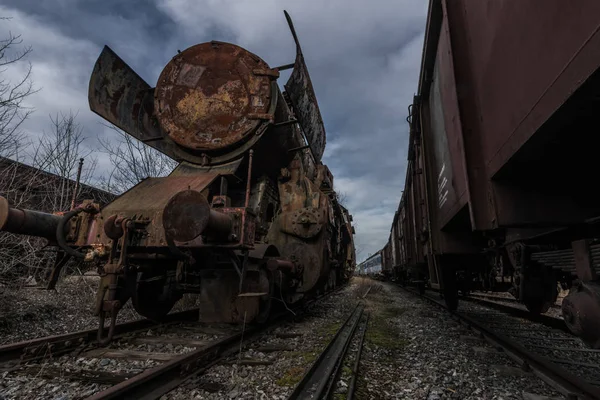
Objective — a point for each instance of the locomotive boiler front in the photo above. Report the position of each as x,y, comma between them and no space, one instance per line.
213,97
211,105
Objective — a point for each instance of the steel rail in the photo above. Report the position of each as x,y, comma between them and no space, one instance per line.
491,297
155,382
352,386
60,344
318,381
551,322
571,386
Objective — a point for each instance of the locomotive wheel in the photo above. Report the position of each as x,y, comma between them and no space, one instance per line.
152,298
449,287
265,302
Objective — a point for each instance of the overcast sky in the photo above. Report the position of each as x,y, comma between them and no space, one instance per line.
363,57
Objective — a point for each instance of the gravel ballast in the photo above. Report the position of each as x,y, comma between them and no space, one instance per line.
412,350
428,355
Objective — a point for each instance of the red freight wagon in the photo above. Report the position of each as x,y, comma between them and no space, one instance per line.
502,158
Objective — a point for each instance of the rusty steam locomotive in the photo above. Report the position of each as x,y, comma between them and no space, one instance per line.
248,216
502,152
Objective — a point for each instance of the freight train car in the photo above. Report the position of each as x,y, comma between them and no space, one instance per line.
371,266
250,213
500,189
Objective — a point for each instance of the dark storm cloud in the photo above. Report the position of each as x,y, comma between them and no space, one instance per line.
363,57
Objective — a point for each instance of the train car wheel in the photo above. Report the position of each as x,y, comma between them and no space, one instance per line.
152,298
540,290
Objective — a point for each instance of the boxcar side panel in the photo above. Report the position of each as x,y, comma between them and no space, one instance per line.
403,233
520,76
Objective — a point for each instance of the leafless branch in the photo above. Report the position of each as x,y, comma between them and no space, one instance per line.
46,186
13,111
132,161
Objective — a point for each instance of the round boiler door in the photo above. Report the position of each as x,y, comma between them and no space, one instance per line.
211,96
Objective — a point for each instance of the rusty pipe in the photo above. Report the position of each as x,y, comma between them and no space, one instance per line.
27,222
282,265
188,215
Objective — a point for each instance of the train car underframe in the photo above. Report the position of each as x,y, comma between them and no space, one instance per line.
532,270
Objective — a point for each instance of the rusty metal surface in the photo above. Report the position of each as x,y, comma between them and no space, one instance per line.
206,95
581,312
148,199
27,222
305,222
302,95
123,98
187,215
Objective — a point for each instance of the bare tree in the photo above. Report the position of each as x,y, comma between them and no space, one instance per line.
341,198
132,161
13,111
46,186
58,152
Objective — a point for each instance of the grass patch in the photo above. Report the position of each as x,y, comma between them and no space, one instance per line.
347,371
391,312
291,377
307,356
382,334
330,329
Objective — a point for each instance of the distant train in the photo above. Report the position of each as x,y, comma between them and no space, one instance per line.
502,159
371,266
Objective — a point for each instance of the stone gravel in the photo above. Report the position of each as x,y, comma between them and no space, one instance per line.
413,350
556,345
31,312
435,357
284,368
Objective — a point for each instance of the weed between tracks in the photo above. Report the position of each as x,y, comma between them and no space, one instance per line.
382,332
383,340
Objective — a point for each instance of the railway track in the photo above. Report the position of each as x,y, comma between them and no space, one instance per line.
547,320
35,349
320,380
485,296
557,357
144,361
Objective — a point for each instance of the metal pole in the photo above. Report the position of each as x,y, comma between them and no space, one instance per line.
247,201
250,154
76,184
